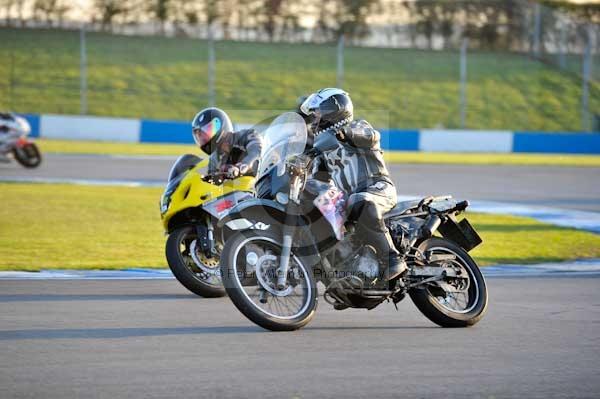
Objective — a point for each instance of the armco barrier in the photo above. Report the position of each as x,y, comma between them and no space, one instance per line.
400,140
34,122
465,141
570,143
428,140
89,128
165,132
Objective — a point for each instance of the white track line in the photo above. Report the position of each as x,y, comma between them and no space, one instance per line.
582,220
578,267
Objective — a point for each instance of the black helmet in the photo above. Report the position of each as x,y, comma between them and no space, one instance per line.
328,108
208,126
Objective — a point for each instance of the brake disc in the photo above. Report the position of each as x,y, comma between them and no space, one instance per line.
266,274
204,263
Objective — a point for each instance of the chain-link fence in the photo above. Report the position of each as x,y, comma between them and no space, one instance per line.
534,71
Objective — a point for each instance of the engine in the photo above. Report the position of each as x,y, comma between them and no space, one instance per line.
353,260
402,229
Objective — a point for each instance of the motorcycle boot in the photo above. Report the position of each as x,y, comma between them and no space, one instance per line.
388,255
371,227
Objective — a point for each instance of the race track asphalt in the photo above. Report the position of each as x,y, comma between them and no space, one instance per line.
553,186
151,339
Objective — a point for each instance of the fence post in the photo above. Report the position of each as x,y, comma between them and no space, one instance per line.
83,108
587,73
211,67
340,62
11,79
463,82
562,58
537,26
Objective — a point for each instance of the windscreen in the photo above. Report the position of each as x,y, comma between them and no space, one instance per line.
183,164
284,137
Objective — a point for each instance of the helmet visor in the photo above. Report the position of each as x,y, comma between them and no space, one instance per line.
205,133
311,103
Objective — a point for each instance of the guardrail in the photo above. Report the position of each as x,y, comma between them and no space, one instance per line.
427,140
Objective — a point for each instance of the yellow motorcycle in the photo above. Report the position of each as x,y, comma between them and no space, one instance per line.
190,208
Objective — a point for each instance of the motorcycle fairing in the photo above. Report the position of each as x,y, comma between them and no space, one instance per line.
221,206
189,190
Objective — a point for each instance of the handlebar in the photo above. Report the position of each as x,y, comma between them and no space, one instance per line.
218,177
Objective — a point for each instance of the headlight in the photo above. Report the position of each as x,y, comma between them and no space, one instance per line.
165,199
282,198
164,203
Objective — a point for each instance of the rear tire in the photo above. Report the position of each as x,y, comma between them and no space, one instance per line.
182,272
28,156
431,307
235,287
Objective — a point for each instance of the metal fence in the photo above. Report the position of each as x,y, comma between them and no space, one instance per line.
545,81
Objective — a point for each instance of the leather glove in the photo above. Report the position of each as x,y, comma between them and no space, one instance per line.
239,169
343,134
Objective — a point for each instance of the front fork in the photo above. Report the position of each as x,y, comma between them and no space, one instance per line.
284,261
206,237
288,232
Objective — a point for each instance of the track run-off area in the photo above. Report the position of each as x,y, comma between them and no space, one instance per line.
150,338
565,187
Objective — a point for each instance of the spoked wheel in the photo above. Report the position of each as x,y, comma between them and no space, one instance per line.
28,155
454,302
249,265
192,268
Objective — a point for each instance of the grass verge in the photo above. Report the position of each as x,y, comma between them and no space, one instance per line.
166,78
112,148
102,147
58,226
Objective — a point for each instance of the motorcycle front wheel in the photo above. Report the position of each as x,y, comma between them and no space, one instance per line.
190,266
249,265
28,156
456,302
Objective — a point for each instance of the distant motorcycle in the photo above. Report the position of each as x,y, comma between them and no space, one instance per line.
284,243
14,142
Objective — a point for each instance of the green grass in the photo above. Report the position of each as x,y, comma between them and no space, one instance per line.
113,148
99,147
167,78
87,227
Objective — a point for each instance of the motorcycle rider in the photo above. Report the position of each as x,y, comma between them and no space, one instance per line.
233,153
11,125
357,167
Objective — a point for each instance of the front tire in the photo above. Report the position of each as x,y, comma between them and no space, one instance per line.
239,282
28,156
437,304
179,257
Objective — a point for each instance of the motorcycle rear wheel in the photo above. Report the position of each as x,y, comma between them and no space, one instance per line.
443,308
28,156
186,271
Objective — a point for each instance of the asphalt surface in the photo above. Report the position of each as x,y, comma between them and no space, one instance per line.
151,339
560,187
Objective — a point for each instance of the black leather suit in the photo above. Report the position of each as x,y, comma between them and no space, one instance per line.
357,167
243,146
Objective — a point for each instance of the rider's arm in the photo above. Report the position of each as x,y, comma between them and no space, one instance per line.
253,144
213,163
361,134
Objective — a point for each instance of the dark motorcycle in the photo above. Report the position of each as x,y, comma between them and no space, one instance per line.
14,142
295,234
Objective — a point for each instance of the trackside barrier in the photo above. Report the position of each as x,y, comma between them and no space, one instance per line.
427,140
